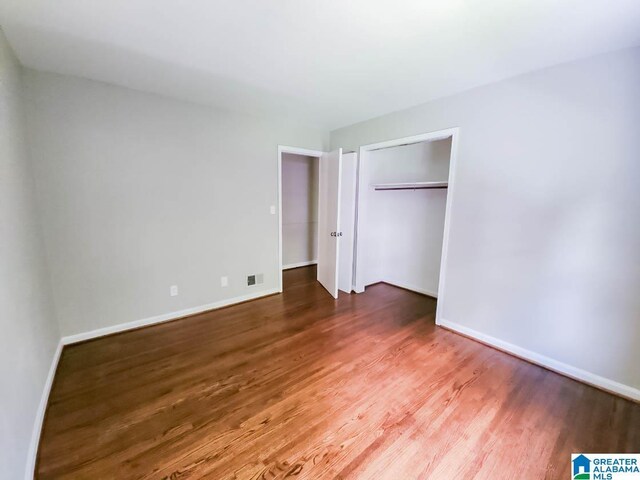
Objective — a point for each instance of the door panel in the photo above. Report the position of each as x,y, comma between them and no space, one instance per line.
330,172
347,220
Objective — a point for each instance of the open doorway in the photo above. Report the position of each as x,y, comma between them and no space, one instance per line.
405,191
299,210
298,180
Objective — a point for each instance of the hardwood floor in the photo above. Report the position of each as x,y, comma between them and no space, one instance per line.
300,385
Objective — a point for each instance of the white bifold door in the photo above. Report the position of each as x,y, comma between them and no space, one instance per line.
329,186
347,223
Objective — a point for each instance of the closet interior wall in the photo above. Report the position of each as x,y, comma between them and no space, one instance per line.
404,228
299,210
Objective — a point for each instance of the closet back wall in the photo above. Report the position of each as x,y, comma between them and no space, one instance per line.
299,210
404,229
139,192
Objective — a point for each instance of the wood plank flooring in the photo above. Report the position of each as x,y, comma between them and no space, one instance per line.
301,386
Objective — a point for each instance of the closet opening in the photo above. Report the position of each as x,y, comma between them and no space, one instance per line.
405,189
299,177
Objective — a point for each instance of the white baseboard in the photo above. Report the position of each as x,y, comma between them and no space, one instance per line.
122,327
575,373
39,420
413,288
299,264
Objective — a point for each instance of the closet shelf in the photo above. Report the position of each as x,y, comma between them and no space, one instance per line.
409,186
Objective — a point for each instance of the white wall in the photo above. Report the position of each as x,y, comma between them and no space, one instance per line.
28,332
403,229
543,252
299,209
138,192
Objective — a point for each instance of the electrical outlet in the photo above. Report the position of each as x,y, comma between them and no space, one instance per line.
173,290
272,209
224,281
260,278
251,280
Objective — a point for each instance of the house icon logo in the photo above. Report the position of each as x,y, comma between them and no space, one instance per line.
581,467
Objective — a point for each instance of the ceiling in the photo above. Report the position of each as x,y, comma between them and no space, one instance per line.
331,62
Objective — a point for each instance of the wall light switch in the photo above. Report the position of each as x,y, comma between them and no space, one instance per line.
173,291
224,281
272,209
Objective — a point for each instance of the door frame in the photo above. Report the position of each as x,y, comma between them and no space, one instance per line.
454,134
296,151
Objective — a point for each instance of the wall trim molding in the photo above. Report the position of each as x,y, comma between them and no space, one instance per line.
591,379
32,455
166,317
412,288
299,264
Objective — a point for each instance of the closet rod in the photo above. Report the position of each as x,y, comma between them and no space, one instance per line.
410,186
